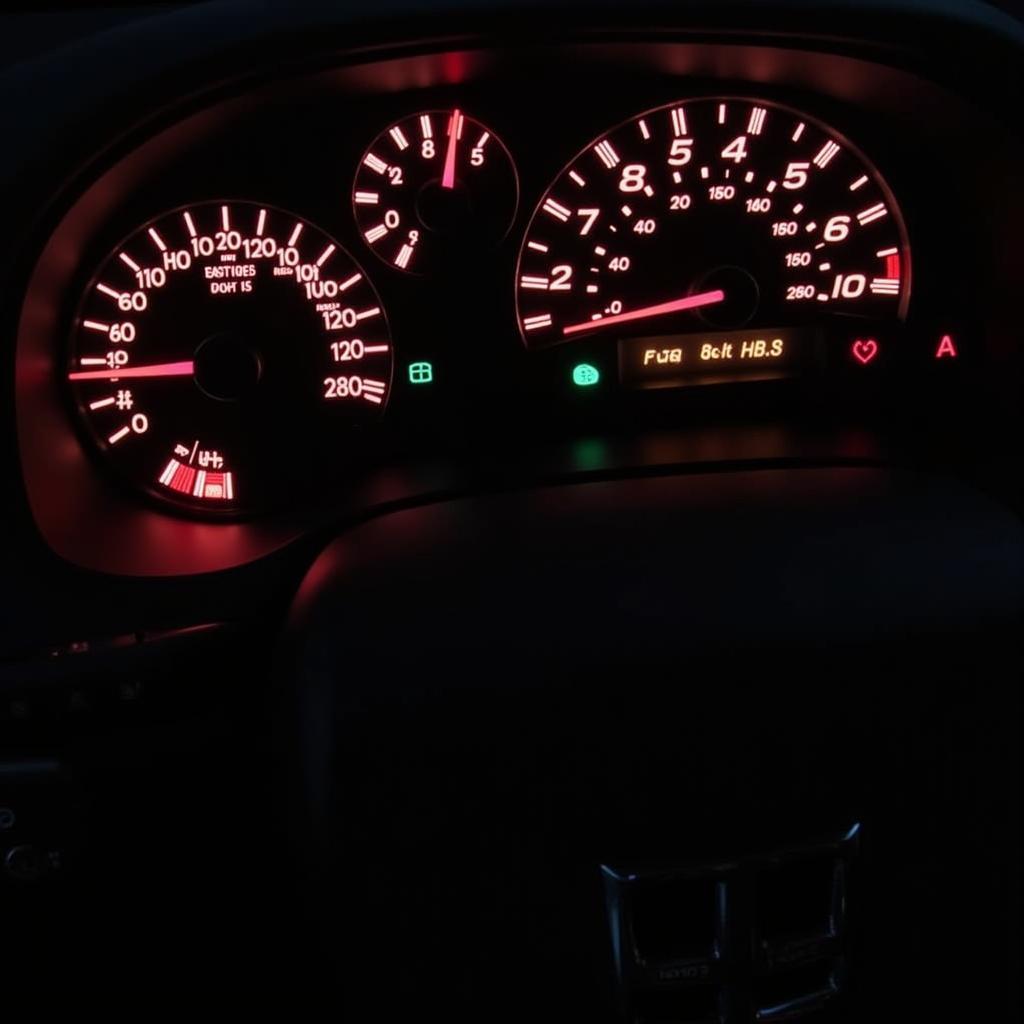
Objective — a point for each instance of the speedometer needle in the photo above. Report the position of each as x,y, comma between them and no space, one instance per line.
687,302
182,369
448,180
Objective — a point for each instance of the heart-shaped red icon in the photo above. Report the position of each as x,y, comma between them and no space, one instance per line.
865,351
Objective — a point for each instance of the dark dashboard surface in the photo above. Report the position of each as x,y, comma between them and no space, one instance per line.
360,362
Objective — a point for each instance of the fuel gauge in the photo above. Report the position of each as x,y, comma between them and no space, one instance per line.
433,190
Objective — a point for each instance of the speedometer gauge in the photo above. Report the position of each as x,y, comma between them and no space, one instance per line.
722,214
220,348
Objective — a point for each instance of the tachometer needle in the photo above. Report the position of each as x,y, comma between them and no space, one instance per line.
182,369
448,179
675,306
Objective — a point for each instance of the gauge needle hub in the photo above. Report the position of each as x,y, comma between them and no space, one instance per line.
448,178
675,306
182,369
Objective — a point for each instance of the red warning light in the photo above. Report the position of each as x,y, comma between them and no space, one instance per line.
946,349
864,350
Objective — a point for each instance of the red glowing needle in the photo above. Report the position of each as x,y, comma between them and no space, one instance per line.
183,369
688,302
448,180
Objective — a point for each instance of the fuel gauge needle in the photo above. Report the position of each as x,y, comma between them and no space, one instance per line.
448,179
182,369
675,306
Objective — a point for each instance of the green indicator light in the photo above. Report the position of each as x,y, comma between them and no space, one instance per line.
584,375
421,373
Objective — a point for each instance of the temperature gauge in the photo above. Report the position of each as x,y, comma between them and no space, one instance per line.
433,189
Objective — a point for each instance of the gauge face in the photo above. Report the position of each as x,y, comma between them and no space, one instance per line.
711,214
219,347
433,190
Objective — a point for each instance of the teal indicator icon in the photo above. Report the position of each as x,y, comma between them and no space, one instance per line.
421,373
584,375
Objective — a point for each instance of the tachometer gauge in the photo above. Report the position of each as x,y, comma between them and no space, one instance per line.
712,215
433,190
219,347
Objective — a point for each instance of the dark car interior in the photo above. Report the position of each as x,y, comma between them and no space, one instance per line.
512,510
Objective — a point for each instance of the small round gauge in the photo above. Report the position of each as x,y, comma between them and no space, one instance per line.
719,213
220,348
434,189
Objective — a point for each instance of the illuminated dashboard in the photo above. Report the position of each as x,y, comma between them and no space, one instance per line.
319,290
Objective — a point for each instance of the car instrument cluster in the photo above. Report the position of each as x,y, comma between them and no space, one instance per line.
271,293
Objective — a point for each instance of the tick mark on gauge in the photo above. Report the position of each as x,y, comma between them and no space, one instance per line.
325,255
606,151
826,154
189,224
294,236
533,323
533,281
872,213
348,282
404,255
399,139
225,218
128,261
106,290
157,240
556,210
756,122
537,246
